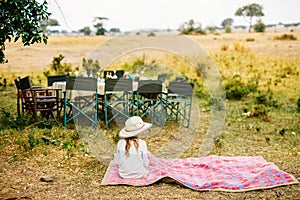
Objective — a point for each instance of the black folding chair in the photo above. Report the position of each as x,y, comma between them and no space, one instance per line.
56,78
179,102
118,99
149,101
80,100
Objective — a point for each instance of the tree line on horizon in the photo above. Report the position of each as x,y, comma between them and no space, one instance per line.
191,26
29,21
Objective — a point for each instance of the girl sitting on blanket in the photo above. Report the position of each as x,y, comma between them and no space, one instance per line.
131,155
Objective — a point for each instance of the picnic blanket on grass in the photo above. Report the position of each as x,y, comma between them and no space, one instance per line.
223,173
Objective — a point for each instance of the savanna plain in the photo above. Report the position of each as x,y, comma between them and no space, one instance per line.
261,76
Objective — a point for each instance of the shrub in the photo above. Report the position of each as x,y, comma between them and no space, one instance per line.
250,39
224,47
227,29
8,121
238,46
285,37
236,89
259,27
90,65
57,67
151,34
261,111
298,104
266,100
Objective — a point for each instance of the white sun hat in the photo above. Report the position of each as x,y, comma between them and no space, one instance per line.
134,126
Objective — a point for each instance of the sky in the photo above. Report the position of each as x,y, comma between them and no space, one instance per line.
131,15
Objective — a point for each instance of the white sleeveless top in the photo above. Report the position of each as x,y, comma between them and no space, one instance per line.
136,164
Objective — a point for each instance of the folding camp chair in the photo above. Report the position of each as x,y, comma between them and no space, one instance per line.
53,79
56,78
149,101
80,100
37,99
181,79
118,99
162,77
179,102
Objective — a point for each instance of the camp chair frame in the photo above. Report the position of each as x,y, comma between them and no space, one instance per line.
179,102
149,101
37,99
118,99
81,105
57,78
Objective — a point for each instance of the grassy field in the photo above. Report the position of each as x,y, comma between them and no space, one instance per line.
271,130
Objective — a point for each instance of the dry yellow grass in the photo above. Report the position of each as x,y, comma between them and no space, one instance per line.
79,176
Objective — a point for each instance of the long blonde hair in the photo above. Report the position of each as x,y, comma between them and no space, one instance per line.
128,144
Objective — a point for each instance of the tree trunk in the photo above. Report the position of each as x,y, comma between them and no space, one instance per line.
250,25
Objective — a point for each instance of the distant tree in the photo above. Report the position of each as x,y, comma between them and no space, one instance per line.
259,26
21,19
115,30
212,29
48,22
86,30
191,27
250,11
100,30
227,22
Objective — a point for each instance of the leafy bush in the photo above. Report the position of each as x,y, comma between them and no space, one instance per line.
259,27
238,47
298,104
151,34
57,67
285,37
224,47
266,100
236,89
227,29
135,65
262,112
90,65
250,39
8,121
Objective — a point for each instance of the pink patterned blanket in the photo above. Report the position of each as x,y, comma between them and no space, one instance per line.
222,173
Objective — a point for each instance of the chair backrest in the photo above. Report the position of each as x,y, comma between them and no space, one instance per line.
150,86
181,79
17,82
81,83
180,88
56,78
25,83
118,85
162,77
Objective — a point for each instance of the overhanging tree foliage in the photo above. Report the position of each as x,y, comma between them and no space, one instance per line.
250,11
21,19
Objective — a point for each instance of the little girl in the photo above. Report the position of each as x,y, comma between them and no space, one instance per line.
131,155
